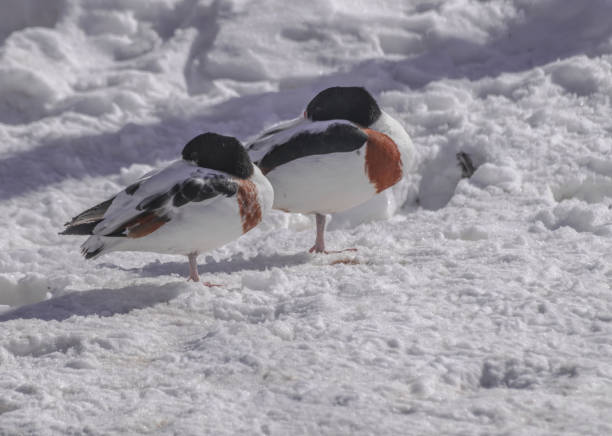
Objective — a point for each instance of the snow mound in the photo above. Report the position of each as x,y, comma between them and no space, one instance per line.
505,177
28,289
579,217
591,189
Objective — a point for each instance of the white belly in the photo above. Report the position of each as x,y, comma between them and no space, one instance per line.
202,228
324,183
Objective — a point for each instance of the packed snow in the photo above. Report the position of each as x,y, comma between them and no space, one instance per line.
476,305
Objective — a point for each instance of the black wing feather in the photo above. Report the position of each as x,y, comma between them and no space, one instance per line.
197,189
337,138
84,223
194,189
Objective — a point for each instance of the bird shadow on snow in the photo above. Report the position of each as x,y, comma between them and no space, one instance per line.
98,302
525,44
235,263
109,302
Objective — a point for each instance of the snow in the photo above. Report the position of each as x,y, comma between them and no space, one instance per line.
481,306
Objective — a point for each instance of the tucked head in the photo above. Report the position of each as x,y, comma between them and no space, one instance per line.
350,103
221,153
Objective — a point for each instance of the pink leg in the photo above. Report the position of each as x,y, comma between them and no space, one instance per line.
319,246
193,267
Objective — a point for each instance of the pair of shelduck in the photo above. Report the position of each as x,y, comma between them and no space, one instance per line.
340,153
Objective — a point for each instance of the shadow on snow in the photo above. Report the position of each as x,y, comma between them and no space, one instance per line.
109,302
235,263
97,302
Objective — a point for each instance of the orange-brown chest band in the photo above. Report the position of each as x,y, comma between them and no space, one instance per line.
250,211
383,161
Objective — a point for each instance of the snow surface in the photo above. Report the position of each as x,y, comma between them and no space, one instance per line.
483,307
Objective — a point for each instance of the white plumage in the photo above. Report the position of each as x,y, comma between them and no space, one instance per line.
193,227
184,208
339,154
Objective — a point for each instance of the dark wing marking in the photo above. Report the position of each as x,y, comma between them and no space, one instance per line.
198,189
130,190
336,138
80,229
84,223
154,208
152,211
157,201
93,213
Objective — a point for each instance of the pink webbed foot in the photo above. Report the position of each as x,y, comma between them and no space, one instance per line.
317,249
319,246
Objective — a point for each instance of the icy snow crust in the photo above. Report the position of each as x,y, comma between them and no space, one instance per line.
482,307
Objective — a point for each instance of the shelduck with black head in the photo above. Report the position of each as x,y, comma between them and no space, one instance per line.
341,152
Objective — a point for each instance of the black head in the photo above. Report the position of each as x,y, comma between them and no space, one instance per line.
350,103
221,153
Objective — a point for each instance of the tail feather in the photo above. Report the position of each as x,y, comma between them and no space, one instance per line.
95,213
84,223
80,229
92,247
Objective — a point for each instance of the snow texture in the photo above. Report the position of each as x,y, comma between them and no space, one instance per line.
481,306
